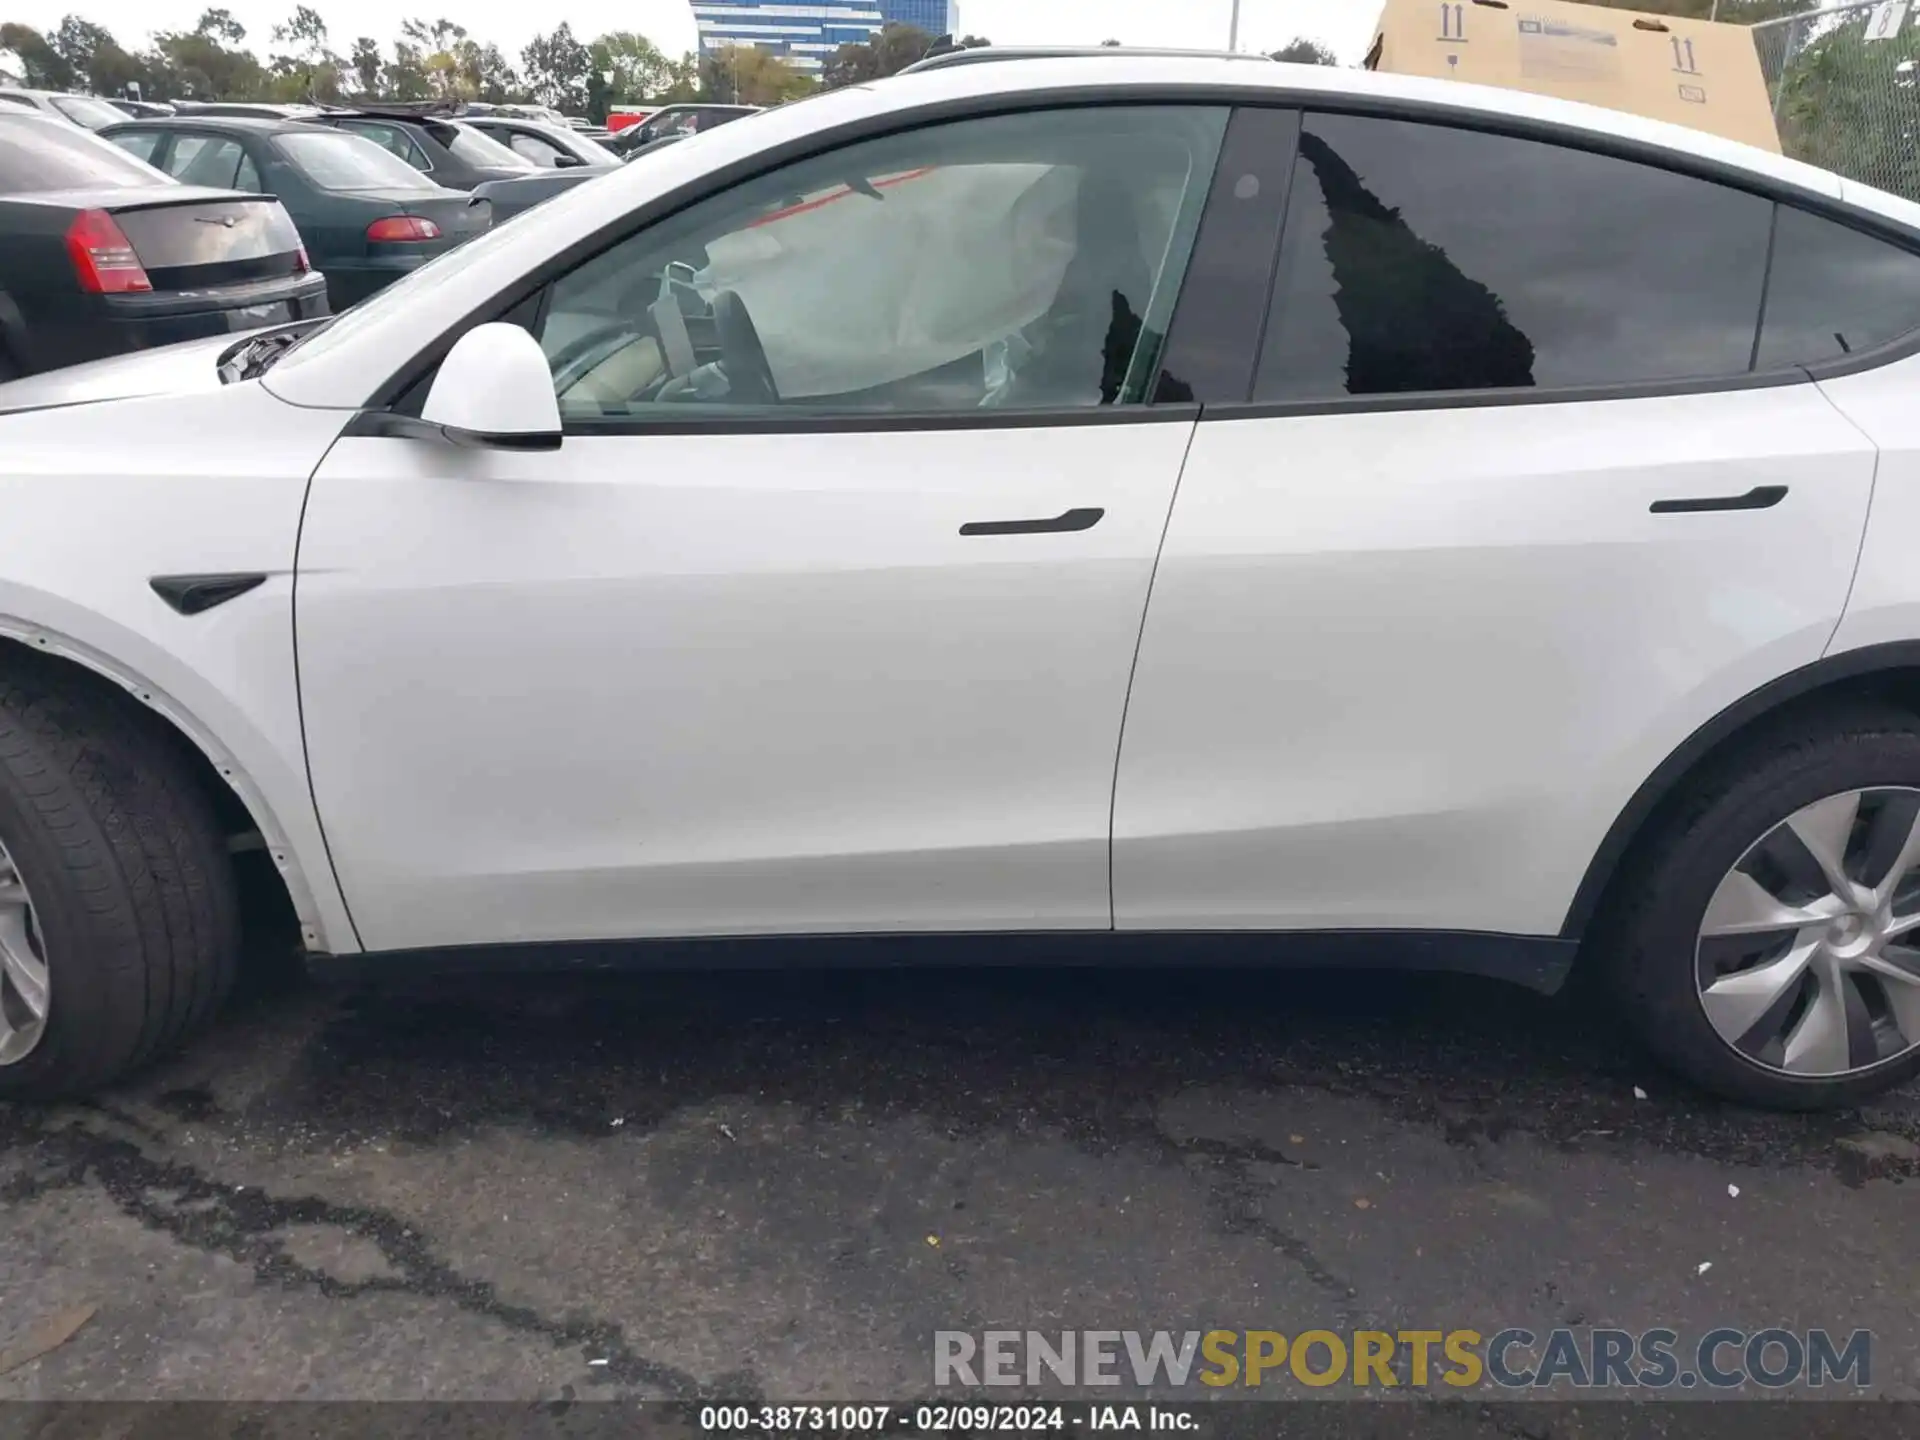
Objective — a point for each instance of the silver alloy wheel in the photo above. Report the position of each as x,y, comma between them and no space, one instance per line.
1804,964
24,992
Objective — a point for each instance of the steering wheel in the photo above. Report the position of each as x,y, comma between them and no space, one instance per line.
745,358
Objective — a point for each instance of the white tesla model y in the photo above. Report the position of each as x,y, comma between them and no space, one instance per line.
1365,520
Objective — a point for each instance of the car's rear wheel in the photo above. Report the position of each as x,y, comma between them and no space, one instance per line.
1766,943
119,927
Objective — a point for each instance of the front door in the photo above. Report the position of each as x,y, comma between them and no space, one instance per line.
822,616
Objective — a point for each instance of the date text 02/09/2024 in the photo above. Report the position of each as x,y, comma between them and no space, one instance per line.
962,1419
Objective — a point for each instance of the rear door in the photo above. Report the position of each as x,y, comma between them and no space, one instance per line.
1513,505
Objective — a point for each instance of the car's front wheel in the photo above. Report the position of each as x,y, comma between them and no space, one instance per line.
119,927
1767,942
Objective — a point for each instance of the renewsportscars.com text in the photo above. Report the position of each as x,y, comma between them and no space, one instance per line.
1513,1359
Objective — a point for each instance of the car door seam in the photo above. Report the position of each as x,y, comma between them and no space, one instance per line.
1866,519
300,692
1133,669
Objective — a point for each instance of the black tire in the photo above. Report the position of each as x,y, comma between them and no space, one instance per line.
1648,934
125,863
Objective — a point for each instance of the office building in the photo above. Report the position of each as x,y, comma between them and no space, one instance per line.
804,34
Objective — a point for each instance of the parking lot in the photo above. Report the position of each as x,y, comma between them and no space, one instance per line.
780,1185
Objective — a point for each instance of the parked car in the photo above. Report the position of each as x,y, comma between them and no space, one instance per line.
101,254
367,216
550,147
257,110
140,109
84,110
677,119
507,198
1220,511
453,152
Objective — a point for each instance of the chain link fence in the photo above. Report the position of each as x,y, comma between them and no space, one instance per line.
1845,81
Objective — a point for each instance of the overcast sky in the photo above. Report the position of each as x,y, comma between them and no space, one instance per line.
1344,25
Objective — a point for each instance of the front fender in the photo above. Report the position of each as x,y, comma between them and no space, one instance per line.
100,499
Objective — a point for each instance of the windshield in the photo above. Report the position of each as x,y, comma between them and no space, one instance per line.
334,160
87,111
471,146
39,154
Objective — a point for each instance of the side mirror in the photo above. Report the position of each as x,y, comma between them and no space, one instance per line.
567,162
495,389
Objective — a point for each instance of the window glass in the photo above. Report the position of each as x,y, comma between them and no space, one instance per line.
248,177
1424,258
141,143
87,111
1834,292
47,154
336,161
206,160
532,147
469,145
392,139
1022,261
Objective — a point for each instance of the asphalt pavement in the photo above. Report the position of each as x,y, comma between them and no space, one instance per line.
781,1185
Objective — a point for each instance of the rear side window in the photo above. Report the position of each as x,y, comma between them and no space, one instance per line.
141,143
394,140
471,146
532,147
1835,292
212,161
38,154
1426,258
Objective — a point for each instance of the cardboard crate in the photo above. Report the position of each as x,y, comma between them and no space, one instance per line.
1688,72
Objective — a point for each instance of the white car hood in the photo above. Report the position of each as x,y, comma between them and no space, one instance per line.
169,370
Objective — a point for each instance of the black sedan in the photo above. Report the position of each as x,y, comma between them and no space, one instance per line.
367,217
101,254
452,152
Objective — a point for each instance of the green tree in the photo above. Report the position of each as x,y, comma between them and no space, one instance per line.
308,69
889,52
557,67
42,67
745,75
639,69
405,77
1852,105
206,63
1303,51
367,64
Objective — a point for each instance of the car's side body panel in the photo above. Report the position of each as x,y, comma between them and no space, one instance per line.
100,499
1885,605
1404,668
667,684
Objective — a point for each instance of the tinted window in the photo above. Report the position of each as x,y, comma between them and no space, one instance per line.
1835,292
1018,262
1423,258
393,140
470,145
138,142
336,161
87,111
532,147
207,160
38,154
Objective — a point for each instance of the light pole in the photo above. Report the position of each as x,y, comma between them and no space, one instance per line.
1233,28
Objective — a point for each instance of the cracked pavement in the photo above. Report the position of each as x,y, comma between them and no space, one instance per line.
779,1185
